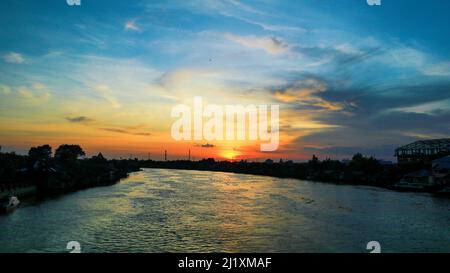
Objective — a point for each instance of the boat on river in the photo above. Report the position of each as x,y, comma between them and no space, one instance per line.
10,205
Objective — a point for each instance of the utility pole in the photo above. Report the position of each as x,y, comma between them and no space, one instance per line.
189,154
165,155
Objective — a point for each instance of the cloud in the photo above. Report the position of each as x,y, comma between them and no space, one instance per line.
431,108
80,119
116,81
5,90
278,28
266,26
271,45
402,57
406,57
440,69
181,84
125,131
304,93
338,57
37,92
130,130
389,116
15,58
131,26
207,145
245,7
106,93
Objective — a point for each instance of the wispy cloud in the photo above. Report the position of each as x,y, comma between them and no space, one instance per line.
271,45
278,28
267,26
246,7
14,57
36,92
106,93
440,69
5,89
125,131
138,130
434,107
132,26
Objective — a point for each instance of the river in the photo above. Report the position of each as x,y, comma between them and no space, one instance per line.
193,211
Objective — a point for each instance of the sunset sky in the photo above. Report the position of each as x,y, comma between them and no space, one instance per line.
348,77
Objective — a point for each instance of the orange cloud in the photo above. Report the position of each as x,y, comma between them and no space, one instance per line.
305,93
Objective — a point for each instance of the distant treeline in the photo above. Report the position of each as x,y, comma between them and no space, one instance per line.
359,170
68,169
64,171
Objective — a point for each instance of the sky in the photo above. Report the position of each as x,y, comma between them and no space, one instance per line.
348,77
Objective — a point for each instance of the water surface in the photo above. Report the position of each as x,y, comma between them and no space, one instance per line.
191,211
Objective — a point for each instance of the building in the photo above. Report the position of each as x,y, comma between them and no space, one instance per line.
268,161
416,181
438,178
441,169
423,150
422,177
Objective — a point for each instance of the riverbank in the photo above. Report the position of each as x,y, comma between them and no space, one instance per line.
359,171
369,173
69,170
19,192
58,188
39,174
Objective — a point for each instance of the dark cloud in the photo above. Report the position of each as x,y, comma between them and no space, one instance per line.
279,43
376,119
388,108
131,130
207,145
80,119
124,131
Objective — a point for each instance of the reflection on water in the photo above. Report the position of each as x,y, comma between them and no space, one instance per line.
192,211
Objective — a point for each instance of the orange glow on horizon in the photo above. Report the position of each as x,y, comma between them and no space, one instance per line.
230,154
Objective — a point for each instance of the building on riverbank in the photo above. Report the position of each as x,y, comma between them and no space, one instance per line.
441,170
438,177
423,151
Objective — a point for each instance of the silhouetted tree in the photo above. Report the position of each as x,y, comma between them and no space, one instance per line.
40,153
68,153
367,165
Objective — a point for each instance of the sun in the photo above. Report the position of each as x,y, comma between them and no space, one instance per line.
230,154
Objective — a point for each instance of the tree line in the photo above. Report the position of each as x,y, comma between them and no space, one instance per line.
66,169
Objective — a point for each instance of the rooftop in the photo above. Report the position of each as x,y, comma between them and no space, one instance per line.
424,149
432,144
